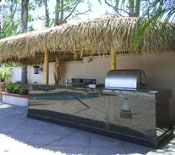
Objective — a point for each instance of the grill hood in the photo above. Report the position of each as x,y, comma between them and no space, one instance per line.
125,79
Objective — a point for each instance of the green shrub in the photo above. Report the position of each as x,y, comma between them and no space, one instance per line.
16,88
23,91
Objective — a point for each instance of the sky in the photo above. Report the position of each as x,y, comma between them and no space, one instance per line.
97,11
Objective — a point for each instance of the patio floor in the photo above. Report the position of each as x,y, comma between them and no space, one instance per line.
22,135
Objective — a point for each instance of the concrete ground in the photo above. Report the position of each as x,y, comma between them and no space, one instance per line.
22,135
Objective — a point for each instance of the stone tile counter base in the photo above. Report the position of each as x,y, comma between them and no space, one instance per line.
131,115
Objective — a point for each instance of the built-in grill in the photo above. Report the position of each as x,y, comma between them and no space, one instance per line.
125,79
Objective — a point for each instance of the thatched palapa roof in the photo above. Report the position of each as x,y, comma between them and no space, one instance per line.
90,37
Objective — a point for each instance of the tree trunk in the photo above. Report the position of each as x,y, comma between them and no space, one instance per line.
24,15
24,74
47,23
24,22
57,12
137,8
62,12
134,8
131,8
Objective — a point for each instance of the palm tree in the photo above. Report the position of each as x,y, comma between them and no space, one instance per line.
155,11
5,73
160,10
24,22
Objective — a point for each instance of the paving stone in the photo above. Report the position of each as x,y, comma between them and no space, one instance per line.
51,130
75,139
105,151
30,121
22,135
130,148
50,146
42,141
73,150
102,141
26,129
68,130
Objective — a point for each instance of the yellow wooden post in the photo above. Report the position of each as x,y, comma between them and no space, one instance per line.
46,66
113,59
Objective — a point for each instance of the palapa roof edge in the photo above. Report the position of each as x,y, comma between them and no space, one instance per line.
94,37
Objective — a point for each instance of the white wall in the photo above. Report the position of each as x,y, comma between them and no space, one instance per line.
35,78
159,69
16,76
32,78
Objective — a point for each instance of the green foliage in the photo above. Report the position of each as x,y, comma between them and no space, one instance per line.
161,9
11,64
16,88
124,7
67,9
13,87
99,1
23,91
11,24
155,11
5,73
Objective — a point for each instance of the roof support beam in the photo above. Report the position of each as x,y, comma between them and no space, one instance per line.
46,66
113,59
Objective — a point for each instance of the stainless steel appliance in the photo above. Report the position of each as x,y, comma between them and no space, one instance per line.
125,79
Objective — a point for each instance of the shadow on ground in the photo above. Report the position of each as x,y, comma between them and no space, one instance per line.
17,132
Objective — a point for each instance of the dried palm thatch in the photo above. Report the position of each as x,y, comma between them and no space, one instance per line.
92,37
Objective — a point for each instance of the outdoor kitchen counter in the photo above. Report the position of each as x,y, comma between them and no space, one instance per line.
134,115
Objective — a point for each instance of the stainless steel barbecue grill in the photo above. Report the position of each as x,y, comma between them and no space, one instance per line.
125,79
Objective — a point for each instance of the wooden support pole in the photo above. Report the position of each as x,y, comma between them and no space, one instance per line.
46,66
113,59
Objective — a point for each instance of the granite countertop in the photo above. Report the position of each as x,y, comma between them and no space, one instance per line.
69,86
85,87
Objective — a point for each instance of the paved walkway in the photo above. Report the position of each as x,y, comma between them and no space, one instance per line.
22,135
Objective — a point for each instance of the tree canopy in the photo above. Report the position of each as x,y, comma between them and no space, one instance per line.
64,10
150,12
12,22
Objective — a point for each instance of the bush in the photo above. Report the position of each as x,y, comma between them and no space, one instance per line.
16,88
